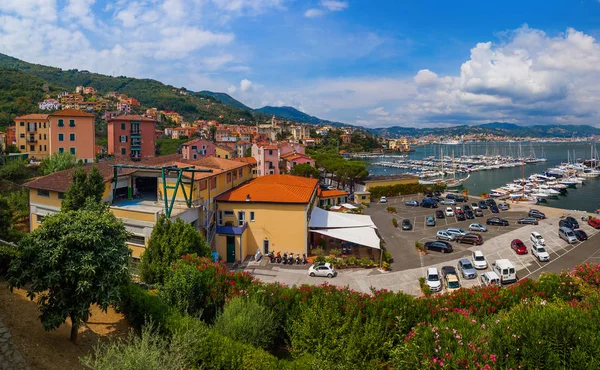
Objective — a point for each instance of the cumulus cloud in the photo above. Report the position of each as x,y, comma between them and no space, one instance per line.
379,111
312,13
245,85
334,6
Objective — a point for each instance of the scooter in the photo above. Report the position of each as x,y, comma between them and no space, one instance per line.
291,259
298,260
271,257
278,257
258,256
285,259
304,260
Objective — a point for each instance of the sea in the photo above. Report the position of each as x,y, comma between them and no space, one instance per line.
585,198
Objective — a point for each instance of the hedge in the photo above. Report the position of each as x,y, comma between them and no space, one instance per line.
7,254
403,189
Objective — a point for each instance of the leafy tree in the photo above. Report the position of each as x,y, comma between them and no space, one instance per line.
14,171
73,260
57,162
6,217
213,133
169,241
83,186
305,170
14,207
248,152
11,148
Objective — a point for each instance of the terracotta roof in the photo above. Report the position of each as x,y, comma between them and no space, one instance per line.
131,117
71,113
250,160
273,189
217,163
332,193
32,116
296,156
226,148
195,141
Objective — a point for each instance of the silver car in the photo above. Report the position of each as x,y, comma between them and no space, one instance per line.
477,227
466,268
445,235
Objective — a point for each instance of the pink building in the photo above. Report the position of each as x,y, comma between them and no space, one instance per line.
267,159
198,148
287,147
291,160
132,136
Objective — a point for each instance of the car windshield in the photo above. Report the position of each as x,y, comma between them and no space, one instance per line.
570,233
467,266
538,237
454,285
541,250
433,277
479,258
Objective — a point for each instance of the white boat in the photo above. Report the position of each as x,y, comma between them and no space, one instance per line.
540,195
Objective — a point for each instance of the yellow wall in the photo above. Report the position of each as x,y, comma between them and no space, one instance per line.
371,184
284,225
52,200
134,215
136,250
222,153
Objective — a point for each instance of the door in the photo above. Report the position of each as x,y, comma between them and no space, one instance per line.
241,218
230,249
266,246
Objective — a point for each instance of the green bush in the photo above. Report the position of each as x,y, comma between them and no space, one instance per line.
246,320
391,209
394,222
7,254
425,289
319,252
336,252
139,306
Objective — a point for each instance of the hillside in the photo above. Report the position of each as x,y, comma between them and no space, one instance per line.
227,99
293,114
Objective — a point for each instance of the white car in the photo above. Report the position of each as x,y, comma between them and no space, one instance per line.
456,232
540,252
457,208
477,227
383,200
433,279
322,269
449,212
445,235
490,278
479,261
537,239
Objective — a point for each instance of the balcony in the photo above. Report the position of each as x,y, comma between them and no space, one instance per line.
135,133
31,140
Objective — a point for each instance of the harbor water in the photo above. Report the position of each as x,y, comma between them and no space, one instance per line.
586,197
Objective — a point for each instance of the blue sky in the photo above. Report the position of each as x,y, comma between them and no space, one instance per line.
373,63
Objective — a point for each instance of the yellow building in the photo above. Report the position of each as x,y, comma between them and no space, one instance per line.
32,132
223,151
270,213
332,198
137,193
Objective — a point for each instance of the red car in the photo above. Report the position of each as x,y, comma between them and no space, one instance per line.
594,222
518,246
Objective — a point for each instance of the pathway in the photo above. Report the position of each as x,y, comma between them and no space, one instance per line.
10,357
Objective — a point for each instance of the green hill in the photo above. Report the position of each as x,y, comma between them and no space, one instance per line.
293,114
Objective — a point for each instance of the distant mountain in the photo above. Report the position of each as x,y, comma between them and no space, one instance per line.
293,114
227,99
495,128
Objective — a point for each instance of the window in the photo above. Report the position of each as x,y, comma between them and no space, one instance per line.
251,216
235,174
194,147
135,239
123,138
40,148
122,126
220,218
45,148
72,150
45,137
241,218
228,213
40,135
61,123
195,156
61,137
22,147
270,152
32,148
61,150
39,219
44,126
22,124
123,151
61,195
203,185
71,137
22,135
241,171
71,123
213,183
228,176
43,193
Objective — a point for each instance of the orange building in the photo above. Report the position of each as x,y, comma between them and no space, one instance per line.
31,135
72,131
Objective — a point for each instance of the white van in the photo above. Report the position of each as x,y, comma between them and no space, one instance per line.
567,235
505,270
490,278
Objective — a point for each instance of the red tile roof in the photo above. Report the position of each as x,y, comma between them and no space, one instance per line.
332,193
131,117
250,160
273,189
71,113
32,116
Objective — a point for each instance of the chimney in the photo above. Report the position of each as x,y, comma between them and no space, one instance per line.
248,198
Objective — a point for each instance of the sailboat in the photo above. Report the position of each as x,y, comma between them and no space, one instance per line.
525,199
454,183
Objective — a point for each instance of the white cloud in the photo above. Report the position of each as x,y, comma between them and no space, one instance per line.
379,111
426,78
334,6
44,10
245,85
231,89
80,11
312,13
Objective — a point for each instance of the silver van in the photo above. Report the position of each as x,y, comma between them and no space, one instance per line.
567,235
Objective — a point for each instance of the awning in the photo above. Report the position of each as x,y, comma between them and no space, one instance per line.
348,205
365,236
323,219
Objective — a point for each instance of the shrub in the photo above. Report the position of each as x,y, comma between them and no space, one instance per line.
246,320
336,252
394,222
319,252
420,246
425,289
391,209
7,254
138,305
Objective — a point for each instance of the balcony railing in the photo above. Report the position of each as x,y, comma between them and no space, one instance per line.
135,132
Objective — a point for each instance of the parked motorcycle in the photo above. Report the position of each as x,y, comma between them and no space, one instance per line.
291,259
258,255
278,257
304,260
271,257
298,260
285,258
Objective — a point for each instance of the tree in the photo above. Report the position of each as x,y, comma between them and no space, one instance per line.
168,242
73,260
305,170
11,148
248,152
57,162
6,217
14,171
213,133
83,186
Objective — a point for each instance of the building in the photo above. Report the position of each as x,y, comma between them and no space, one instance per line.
72,131
224,151
11,135
270,213
346,139
49,104
138,196
242,148
89,90
79,89
291,160
198,148
32,135
300,132
131,136
267,159
123,107
332,198
174,116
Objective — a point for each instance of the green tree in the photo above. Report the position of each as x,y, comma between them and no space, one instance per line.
168,242
14,171
6,217
213,133
83,186
57,162
73,260
248,153
305,170
11,148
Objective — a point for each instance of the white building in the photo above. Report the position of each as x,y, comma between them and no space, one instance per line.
49,104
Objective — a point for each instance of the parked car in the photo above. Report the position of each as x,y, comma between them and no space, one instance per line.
475,206
580,235
565,223
466,208
537,239
460,216
439,213
448,270
325,269
594,222
469,215
456,231
490,202
537,214
477,227
567,234
451,281
429,203
494,209
430,221
412,203
540,252
496,221
460,199
479,261
473,239
457,209
478,213
450,196
466,268
482,204
518,246
444,235
503,206
437,193
438,245
433,279
449,212
448,202
528,221
383,200
505,270
573,222
406,224
490,278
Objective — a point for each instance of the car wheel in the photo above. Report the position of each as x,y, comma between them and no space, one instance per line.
312,274
330,275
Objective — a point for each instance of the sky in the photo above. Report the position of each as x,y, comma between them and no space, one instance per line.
373,63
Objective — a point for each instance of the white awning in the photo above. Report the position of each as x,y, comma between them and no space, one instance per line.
365,236
348,205
321,218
